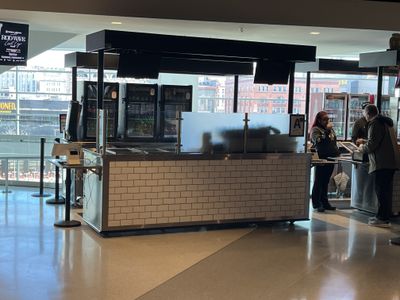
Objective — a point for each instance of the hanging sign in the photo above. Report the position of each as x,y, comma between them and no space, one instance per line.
13,44
296,127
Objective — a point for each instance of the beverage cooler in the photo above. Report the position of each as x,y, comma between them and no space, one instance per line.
335,104
88,92
355,110
138,112
391,108
173,98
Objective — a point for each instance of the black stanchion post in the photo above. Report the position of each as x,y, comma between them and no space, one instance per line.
57,198
41,194
42,141
67,222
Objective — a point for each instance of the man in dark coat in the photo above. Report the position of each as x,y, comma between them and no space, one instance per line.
384,159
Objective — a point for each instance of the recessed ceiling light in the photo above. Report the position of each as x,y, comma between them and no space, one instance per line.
315,32
116,23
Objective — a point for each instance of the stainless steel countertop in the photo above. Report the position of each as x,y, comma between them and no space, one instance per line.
126,155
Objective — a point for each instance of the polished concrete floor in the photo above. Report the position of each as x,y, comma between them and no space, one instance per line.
334,256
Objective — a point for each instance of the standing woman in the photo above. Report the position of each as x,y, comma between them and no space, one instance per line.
323,138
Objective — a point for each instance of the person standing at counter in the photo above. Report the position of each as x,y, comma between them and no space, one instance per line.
359,130
323,138
384,159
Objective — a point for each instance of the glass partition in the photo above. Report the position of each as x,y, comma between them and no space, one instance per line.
270,133
212,133
224,133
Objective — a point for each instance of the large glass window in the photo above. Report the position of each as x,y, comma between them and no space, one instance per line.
259,98
32,97
212,95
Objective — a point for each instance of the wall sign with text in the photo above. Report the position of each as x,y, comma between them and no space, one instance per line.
13,44
8,107
296,127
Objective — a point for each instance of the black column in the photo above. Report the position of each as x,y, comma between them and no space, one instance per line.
307,112
378,102
235,94
291,89
74,83
100,79
100,92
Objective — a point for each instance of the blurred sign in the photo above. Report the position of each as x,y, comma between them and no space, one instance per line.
7,107
296,127
62,122
13,44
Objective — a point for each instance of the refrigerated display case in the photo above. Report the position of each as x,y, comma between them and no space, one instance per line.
139,112
396,102
390,107
355,111
385,106
335,105
174,98
88,92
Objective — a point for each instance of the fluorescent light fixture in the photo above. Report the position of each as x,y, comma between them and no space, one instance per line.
314,33
116,23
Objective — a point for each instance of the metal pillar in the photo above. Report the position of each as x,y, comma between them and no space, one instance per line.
235,94
291,89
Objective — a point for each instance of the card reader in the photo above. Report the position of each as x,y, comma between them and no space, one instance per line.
73,157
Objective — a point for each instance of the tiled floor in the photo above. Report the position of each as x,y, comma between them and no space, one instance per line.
335,256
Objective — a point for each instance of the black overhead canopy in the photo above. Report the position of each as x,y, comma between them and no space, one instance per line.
195,47
145,55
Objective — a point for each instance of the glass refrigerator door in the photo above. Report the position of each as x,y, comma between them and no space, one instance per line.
110,107
335,106
355,110
91,118
385,106
140,119
398,119
170,122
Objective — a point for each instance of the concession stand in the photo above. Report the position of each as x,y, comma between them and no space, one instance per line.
218,168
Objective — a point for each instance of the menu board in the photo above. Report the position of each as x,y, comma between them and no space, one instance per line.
13,44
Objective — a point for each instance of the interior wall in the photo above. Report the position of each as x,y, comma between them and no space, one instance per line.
358,14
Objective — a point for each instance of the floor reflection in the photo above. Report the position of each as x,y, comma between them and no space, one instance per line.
335,256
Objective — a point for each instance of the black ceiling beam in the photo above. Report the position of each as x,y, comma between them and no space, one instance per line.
208,67
110,40
168,64
338,66
89,60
